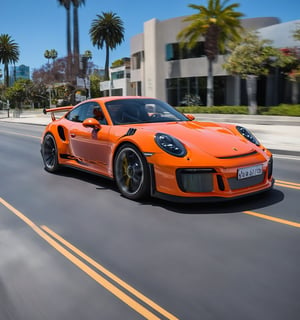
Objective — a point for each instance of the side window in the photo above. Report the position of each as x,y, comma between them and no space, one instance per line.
87,110
78,114
96,112
74,115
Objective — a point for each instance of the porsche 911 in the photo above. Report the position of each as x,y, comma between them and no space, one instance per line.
150,149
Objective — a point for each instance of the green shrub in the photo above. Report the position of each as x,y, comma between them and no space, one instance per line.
281,110
214,109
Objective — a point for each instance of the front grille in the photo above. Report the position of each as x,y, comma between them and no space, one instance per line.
195,180
220,182
234,183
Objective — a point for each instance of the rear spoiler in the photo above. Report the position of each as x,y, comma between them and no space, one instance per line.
58,109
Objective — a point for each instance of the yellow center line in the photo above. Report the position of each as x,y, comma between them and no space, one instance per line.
89,271
116,279
287,184
274,219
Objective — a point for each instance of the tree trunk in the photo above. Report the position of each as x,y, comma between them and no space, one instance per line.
6,75
69,49
107,63
210,84
251,82
76,41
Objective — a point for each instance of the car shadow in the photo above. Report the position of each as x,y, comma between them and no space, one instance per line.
254,202
101,183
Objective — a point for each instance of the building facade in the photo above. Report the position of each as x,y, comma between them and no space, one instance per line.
19,72
119,83
161,68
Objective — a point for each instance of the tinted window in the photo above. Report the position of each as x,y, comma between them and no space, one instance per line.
77,114
86,110
125,111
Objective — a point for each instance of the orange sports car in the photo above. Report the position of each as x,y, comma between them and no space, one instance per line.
150,149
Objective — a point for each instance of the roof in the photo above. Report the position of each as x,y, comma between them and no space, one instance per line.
281,34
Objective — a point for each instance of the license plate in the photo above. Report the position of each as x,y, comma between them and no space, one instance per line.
244,173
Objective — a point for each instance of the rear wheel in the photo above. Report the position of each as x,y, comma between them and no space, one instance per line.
131,173
49,153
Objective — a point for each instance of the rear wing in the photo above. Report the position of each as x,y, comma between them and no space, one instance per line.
58,109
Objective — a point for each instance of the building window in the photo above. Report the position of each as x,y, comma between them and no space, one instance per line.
192,91
139,88
136,60
175,52
117,75
117,92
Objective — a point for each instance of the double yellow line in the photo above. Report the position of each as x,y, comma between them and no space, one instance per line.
280,183
287,184
123,291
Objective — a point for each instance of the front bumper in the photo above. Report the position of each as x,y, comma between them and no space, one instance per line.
208,184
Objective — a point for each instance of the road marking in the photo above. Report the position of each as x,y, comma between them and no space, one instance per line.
108,273
286,157
20,134
278,220
286,184
45,233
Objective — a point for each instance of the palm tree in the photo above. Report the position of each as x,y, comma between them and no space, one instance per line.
107,29
47,55
53,54
67,5
50,54
9,53
217,23
76,5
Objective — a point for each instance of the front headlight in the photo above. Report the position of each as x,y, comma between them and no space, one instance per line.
248,135
170,144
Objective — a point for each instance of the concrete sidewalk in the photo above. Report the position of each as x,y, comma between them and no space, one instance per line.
279,134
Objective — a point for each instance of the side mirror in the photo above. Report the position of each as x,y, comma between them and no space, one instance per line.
91,123
190,117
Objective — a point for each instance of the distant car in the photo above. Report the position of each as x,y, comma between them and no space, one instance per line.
150,149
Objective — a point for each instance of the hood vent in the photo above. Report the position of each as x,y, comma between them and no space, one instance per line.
239,155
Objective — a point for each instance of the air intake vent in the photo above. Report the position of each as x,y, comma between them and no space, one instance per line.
61,133
195,180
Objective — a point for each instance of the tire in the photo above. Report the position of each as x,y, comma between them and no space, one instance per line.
131,173
49,153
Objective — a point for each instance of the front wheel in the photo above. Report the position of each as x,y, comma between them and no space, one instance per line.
131,173
49,153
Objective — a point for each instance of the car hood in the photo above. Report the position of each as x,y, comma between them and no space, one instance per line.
211,138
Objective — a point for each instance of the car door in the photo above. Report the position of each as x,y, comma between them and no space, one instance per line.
90,146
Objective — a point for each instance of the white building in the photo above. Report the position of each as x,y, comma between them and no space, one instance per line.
161,69
119,83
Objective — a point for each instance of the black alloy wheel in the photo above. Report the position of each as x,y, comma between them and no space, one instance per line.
131,173
49,153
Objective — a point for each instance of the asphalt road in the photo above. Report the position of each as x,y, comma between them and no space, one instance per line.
72,248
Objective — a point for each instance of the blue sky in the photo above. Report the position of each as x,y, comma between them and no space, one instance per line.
37,25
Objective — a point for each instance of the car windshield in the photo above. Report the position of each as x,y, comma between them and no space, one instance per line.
125,111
